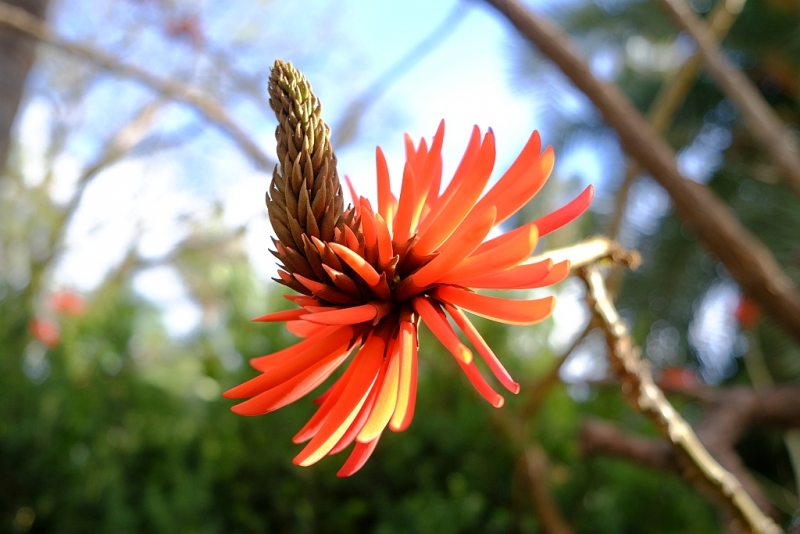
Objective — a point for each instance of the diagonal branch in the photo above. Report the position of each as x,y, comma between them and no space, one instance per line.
18,20
671,96
749,262
762,122
649,400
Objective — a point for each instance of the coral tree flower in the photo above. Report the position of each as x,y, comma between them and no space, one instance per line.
368,277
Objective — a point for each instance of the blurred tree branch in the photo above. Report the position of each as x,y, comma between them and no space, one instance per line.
670,98
762,122
16,59
647,398
749,262
16,19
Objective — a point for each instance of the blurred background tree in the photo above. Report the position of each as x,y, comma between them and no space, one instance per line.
133,252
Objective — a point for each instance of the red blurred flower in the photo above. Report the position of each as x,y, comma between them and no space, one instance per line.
45,331
67,302
418,257
747,313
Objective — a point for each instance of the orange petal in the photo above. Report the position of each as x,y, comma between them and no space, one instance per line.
307,350
354,315
457,247
405,207
511,180
462,172
304,328
366,367
385,402
351,240
357,459
565,214
384,187
508,311
286,315
558,274
357,263
428,184
430,315
495,260
327,401
363,414
483,348
519,277
293,389
464,198
407,388
385,248
352,189
486,391
527,186
368,223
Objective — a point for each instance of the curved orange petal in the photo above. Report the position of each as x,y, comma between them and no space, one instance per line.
462,202
527,187
521,312
497,368
486,391
384,186
306,352
293,389
519,277
457,247
558,273
354,315
357,459
280,316
357,263
366,367
489,261
462,172
304,328
515,173
407,387
565,214
363,414
401,231
441,328
385,402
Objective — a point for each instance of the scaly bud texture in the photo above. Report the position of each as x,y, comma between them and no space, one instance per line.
305,199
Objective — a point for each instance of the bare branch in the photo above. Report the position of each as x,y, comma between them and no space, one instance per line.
648,399
671,96
750,263
547,511
762,122
599,437
18,20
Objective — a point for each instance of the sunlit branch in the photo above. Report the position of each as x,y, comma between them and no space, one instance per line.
16,19
649,400
591,251
762,122
748,261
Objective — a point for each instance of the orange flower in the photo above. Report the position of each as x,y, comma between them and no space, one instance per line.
419,257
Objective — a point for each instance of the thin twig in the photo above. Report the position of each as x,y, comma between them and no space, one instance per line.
748,261
648,399
762,122
671,96
547,511
18,20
